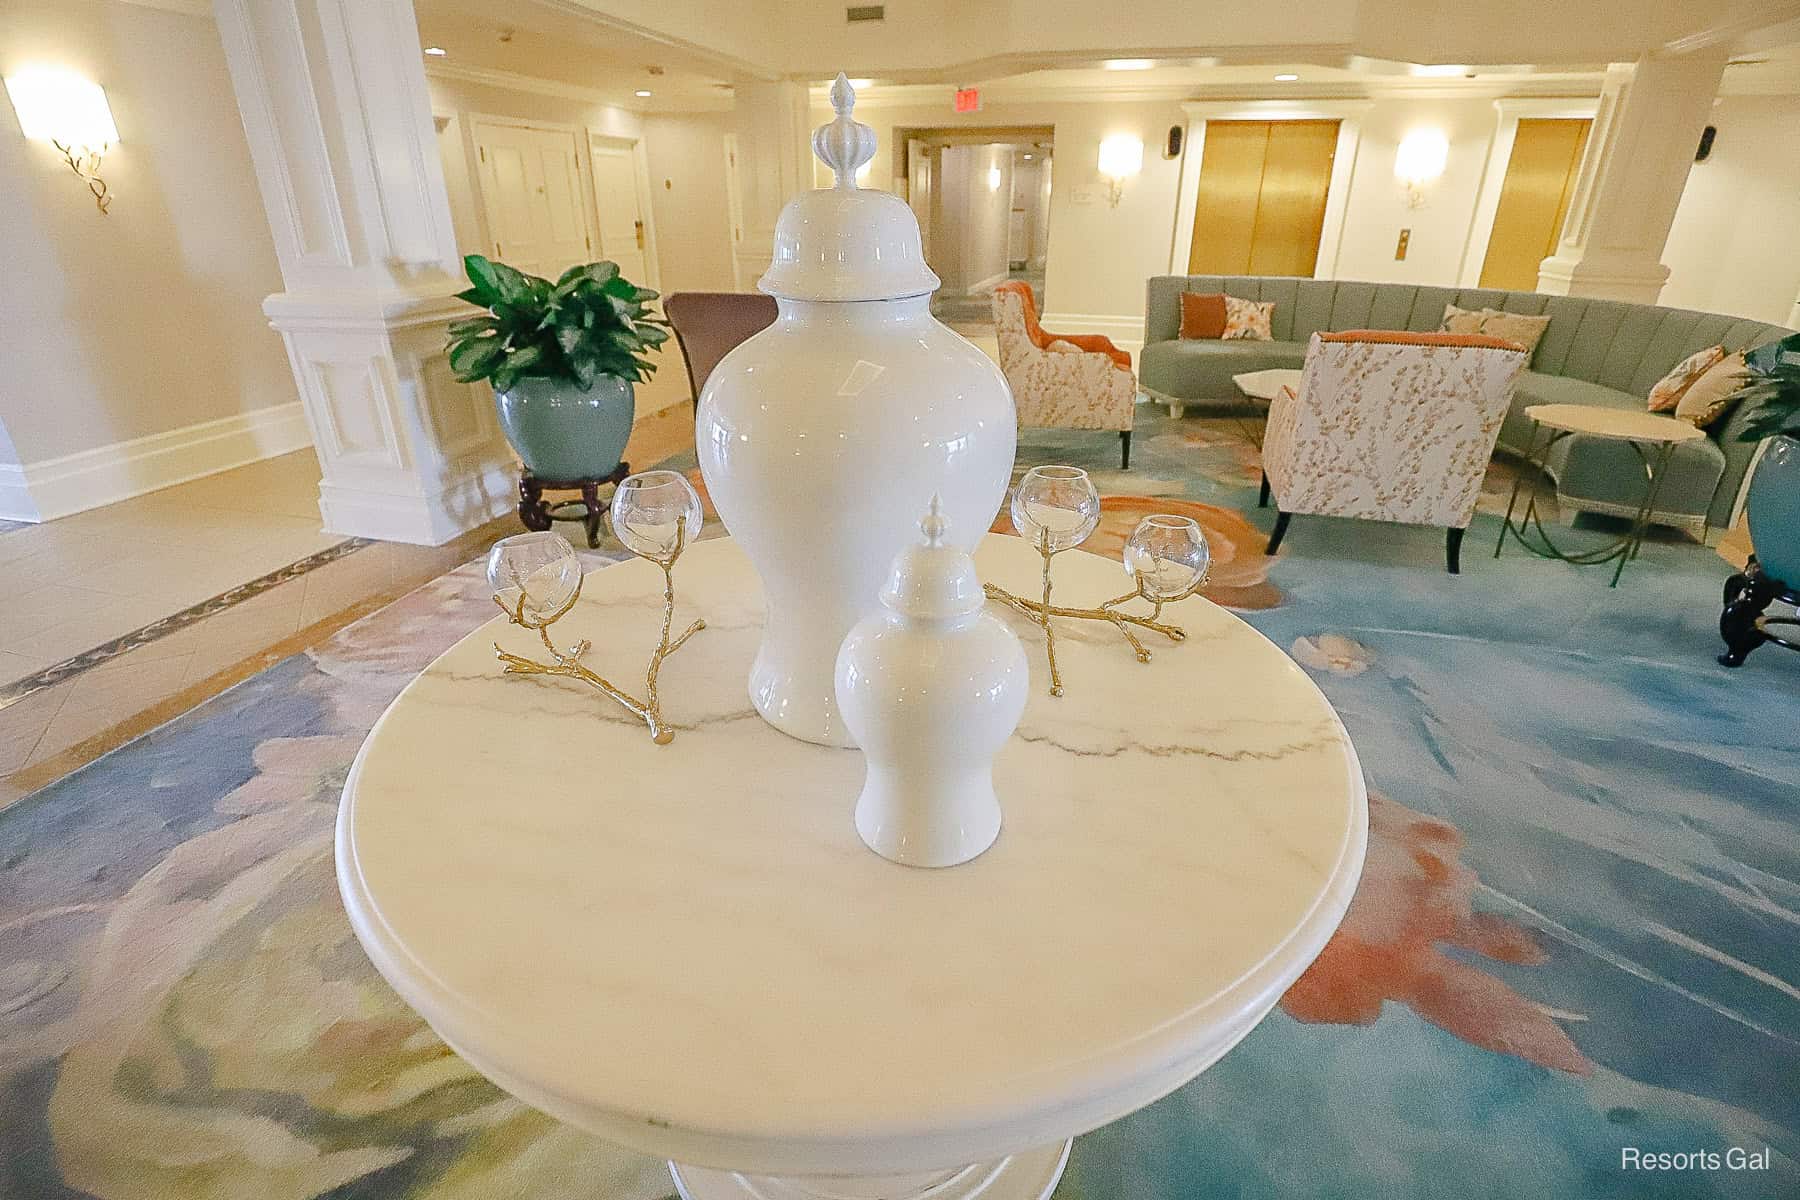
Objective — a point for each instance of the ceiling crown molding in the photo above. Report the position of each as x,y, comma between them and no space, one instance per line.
187,8
513,82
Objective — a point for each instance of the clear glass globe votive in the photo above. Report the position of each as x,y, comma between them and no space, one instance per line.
1057,505
539,569
648,510
1167,555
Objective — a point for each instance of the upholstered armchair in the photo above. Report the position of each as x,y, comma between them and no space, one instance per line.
1389,427
710,325
1074,381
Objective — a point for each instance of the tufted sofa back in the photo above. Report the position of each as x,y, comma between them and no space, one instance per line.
1619,345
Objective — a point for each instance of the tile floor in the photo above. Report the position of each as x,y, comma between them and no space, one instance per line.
71,584
86,579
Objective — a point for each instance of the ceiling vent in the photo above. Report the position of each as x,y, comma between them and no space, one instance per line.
866,12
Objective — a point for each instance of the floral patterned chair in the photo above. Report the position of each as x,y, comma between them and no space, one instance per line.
1063,381
1390,426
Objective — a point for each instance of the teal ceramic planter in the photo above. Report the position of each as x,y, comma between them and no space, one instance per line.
564,432
1774,510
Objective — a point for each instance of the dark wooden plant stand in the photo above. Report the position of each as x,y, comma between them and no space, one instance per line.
536,513
1742,624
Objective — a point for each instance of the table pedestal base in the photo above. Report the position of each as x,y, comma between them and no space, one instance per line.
1028,1176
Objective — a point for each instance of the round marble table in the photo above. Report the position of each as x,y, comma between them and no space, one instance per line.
1651,435
686,948
1266,385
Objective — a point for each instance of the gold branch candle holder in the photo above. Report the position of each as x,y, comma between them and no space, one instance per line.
537,579
1056,508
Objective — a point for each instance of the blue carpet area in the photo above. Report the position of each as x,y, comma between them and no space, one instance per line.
1577,936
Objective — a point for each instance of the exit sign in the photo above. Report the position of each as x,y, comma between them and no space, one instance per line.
968,100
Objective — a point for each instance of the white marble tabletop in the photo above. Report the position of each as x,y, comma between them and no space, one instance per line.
1266,385
1620,424
687,949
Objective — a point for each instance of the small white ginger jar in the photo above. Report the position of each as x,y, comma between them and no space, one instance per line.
931,687
822,438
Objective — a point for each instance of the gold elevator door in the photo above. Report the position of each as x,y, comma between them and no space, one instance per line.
1534,199
1261,204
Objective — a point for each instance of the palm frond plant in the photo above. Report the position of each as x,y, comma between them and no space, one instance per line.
591,323
1772,385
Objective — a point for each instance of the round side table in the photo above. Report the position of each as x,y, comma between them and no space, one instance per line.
687,950
1654,438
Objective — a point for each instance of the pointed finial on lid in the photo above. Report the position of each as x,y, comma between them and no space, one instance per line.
934,524
845,144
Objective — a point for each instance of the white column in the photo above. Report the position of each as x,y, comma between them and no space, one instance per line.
774,161
1643,142
333,98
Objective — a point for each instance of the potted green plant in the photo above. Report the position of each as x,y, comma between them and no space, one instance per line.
562,357
1772,383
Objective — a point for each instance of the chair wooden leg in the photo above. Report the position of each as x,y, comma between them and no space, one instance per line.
1262,500
1281,524
1453,550
1124,449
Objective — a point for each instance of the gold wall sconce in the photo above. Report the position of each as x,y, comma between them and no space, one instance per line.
1121,157
71,113
1419,162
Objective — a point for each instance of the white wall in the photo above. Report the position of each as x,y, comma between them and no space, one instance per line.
147,320
1101,256
1098,256
1735,244
688,193
1376,210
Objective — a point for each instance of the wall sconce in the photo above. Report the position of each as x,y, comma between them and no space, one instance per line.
1121,157
71,113
1420,161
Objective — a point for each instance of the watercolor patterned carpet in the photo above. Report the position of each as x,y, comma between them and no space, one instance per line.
1578,933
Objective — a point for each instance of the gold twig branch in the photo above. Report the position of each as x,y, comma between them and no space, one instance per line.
567,664
1040,611
85,162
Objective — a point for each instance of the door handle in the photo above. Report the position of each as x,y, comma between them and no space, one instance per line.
639,225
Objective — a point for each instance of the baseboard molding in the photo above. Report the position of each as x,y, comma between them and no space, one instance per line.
1127,332
15,498
985,286
57,487
472,500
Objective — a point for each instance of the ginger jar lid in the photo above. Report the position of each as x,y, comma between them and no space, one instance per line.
847,242
932,580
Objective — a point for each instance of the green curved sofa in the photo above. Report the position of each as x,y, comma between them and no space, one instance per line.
1604,353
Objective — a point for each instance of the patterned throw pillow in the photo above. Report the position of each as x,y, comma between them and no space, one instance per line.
1514,327
1671,387
1248,319
1714,394
1466,321
1518,328
1202,315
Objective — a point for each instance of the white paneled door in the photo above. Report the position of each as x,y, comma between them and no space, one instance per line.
623,230
531,196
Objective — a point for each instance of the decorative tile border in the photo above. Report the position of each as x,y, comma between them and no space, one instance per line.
162,627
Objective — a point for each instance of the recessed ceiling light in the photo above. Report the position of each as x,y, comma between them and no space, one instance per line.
642,93
1286,77
436,51
860,84
1129,64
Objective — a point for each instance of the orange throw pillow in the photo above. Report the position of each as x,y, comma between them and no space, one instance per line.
1203,315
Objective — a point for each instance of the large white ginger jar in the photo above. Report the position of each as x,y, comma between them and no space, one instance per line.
932,686
822,438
